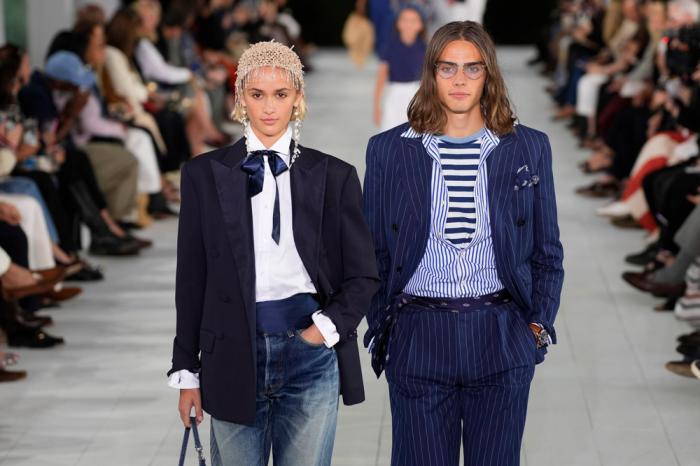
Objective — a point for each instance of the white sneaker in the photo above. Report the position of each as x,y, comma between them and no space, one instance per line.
695,368
616,209
688,309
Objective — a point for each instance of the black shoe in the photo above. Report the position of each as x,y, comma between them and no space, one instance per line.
536,60
113,246
643,257
143,243
690,351
128,226
33,339
88,273
158,207
627,222
690,338
667,306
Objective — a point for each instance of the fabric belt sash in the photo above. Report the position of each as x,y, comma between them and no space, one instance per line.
377,339
291,313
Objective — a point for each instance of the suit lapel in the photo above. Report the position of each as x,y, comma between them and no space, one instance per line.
414,198
232,189
308,181
417,168
502,165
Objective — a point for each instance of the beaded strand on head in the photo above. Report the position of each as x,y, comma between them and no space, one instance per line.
274,55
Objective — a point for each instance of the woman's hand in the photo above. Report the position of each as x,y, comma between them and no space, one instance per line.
189,398
313,335
10,214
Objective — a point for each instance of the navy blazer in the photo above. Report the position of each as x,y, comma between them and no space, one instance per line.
397,203
215,279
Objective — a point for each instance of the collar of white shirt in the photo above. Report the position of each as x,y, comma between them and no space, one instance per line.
281,146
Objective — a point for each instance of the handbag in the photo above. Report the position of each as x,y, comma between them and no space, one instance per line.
197,444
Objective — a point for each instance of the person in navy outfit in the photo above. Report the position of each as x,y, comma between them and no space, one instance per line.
275,270
461,207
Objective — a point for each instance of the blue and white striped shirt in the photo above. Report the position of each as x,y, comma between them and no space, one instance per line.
459,159
468,268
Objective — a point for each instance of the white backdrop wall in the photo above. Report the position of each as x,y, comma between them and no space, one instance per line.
46,17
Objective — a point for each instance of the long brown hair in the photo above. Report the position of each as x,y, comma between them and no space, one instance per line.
426,113
123,31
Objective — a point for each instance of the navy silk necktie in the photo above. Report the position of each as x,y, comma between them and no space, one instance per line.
254,166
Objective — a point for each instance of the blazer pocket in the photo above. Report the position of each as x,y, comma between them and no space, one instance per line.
206,340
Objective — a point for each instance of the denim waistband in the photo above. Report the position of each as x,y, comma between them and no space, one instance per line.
281,315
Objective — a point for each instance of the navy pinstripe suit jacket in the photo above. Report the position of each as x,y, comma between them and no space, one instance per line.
397,200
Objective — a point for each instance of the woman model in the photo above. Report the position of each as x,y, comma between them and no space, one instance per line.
275,271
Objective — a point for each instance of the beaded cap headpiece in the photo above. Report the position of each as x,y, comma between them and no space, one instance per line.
268,54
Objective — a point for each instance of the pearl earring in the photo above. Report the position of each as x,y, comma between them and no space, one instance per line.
296,135
246,128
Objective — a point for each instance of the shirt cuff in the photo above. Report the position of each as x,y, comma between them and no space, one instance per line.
327,328
183,379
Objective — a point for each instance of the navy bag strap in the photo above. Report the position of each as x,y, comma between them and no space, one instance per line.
197,444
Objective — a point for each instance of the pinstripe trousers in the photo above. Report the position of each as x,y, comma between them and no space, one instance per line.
459,375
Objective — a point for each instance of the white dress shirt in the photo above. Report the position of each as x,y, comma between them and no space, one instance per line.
279,271
153,65
5,262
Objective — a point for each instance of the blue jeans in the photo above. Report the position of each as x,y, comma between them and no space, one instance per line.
296,408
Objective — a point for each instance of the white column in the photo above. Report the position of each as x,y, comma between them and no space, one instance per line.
44,19
2,22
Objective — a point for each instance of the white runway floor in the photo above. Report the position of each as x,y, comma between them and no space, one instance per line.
602,397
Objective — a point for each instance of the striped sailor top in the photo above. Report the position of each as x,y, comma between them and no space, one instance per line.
459,159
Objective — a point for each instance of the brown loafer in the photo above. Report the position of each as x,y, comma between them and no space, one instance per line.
12,376
681,368
64,294
41,287
642,282
55,274
598,190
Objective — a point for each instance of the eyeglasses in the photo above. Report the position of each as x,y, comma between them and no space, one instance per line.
472,70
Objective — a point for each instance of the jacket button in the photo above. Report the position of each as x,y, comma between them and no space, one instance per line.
225,298
521,222
352,334
399,268
394,227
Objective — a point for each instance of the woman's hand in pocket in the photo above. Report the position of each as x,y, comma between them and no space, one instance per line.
313,335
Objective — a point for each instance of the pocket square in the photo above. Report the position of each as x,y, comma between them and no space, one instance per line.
524,179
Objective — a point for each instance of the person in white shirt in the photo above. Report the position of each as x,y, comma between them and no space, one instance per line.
154,68
275,271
